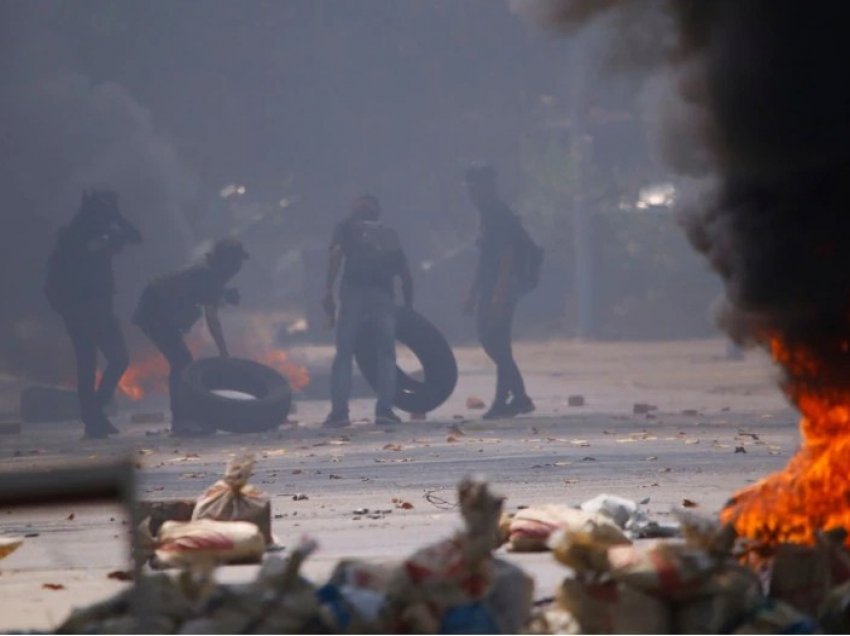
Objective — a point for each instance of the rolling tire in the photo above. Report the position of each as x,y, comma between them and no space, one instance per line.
271,390
439,367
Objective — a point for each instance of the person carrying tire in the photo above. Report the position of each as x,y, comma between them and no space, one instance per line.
372,257
80,287
171,304
508,265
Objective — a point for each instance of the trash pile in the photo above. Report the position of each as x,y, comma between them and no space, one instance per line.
710,581
616,518
453,586
705,580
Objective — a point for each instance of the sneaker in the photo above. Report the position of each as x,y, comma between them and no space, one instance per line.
387,417
497,411
337,420
521,406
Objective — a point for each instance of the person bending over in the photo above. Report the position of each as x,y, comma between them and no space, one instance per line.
169,307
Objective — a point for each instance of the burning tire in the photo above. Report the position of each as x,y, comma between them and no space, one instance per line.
439,367
235,395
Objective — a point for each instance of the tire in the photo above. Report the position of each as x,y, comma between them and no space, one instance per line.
439,367
202,405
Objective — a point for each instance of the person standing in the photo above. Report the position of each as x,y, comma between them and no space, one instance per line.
171,304
508,265
80,287
372,257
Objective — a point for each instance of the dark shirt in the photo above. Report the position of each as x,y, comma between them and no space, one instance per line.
500,229
373,254
79,272
175,300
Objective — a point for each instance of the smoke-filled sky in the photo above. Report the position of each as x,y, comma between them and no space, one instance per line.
309,102
764,83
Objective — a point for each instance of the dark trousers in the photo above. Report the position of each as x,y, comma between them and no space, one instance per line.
357,306
94,328
169,341
494,334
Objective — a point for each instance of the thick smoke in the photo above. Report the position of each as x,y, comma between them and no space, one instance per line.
762,85
63,132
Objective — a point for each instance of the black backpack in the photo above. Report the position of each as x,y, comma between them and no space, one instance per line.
529,260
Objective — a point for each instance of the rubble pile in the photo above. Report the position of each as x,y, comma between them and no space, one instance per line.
710,581
705,580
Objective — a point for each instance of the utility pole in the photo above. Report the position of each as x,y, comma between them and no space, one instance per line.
582,230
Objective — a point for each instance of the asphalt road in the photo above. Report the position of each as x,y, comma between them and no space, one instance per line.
707,407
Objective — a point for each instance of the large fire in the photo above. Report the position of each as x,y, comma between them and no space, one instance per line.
812,493
149,373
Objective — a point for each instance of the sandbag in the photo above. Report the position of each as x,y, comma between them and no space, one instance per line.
529,529
204,541
234,499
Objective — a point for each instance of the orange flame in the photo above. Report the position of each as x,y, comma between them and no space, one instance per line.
812,492
297,376
148,375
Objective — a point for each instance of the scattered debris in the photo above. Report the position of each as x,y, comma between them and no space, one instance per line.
402,504
9,545
299,497
475,403
120,575
575,400
740,449
52,586
455,430
437,501
688,503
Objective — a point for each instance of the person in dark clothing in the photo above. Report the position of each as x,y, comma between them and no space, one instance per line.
495,290
80,286
373,258
170,305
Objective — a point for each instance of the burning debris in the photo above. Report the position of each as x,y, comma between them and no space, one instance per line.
759,92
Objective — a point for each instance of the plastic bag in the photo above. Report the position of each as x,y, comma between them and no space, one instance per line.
234,499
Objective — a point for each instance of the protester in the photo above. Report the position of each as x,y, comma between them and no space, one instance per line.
508,265
372,257
80,286
172,304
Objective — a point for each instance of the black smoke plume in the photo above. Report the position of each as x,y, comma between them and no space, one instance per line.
765,82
